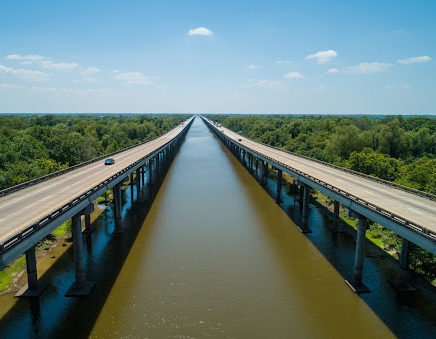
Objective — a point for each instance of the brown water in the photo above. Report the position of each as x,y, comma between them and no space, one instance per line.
217,257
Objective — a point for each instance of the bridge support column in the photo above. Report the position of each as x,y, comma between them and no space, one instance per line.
150,172
404,256
33,288
257,165
80,287
87,211
143,175
356,283
305,210
118,208
279,186
264,171
138,184
132,197
157,164
336,206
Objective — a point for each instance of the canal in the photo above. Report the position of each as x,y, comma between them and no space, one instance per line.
210,254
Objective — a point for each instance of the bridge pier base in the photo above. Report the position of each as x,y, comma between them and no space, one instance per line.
138,184
401,281
279,187
118,207
356,283
33,288
80,287
305,210
264,174
87,211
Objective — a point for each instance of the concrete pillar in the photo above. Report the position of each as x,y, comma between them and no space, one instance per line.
336,206
264,173
138,183
32,275
87,212
80,286
143,175
117,208
33,288
132,197
356,283
157,164
404,256
257,165
305,209
150,172
279,186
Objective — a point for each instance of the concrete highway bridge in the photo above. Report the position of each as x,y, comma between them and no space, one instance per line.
32,210
409,213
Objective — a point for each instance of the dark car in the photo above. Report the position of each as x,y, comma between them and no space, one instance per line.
239,139
109,161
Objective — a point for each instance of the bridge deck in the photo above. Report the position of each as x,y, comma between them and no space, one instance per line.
405,204
24,207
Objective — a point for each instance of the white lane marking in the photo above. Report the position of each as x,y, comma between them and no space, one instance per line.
340,180
2,219
414,210
48,197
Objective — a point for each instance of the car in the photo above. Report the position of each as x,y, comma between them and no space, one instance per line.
109,161
239,139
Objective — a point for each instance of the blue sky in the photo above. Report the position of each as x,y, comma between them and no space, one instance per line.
343,57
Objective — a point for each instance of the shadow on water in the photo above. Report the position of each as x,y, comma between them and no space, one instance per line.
55,316
410,314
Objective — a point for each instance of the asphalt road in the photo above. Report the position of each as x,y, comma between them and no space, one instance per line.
20,209
407,205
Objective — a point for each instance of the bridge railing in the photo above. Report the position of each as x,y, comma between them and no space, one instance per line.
29,183
385,213
26,232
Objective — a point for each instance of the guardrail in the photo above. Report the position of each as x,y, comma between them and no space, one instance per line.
29,183
363,175
385,213
72,203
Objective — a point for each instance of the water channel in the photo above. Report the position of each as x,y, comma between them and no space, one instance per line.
212,256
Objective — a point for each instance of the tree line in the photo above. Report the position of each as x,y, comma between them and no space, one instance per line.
34,146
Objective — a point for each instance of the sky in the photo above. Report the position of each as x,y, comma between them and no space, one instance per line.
305,57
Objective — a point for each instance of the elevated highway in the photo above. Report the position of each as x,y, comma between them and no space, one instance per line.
30,211
407,212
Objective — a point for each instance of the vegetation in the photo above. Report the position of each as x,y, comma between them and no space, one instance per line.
398,149
33,146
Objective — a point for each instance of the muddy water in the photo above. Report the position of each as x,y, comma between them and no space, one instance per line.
216,257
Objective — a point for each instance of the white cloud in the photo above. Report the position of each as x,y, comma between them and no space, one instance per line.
26,74
61,66
369,67
255,67
10,86
323,57
29,58
333,70
414,60
283,62
274,84
293,75
200,31
90,70
134,78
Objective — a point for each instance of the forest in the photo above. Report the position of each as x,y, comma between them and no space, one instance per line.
33,146
395,148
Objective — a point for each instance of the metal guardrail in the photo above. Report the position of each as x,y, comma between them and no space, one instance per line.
392,216
29,183
69,205
363,175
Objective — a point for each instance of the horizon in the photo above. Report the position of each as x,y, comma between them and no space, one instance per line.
270,57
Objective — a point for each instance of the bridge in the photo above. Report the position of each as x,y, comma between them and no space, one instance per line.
32,210
407,212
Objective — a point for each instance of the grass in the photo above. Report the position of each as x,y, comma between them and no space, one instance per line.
7,274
